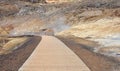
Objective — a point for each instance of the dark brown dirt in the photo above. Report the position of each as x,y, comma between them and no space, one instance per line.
95,62
14,60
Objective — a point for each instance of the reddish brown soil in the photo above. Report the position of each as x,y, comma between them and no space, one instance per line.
14,60
95,62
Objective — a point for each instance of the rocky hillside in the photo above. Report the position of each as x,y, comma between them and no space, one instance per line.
93,20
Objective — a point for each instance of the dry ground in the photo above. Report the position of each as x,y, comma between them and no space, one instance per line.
95,62
14,60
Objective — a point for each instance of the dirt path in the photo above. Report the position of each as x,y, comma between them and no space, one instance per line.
94,61
13,61
53,55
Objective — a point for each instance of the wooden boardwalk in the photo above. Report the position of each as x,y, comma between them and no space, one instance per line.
53,55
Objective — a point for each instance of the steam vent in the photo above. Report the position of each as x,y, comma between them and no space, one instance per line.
57,1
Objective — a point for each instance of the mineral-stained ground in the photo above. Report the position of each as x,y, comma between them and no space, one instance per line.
95,23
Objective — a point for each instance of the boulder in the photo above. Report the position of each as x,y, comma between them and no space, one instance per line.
49,32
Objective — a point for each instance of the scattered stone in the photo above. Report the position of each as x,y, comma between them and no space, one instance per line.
13,44
110,51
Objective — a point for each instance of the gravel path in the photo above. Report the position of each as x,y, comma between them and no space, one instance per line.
53,55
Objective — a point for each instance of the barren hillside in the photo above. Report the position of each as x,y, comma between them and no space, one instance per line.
95,21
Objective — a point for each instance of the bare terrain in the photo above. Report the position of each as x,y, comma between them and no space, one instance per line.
95,61
13,61
91,28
